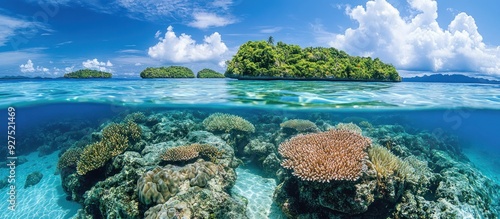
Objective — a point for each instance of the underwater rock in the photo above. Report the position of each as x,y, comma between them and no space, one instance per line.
4,182
45,150
116,197
170,126
33,179
258,148
271,164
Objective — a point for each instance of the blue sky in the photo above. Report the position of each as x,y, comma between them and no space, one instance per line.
51,37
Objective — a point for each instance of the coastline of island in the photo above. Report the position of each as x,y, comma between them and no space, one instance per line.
263,60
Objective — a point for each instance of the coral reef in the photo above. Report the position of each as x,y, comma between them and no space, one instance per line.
188,152
387,164
69,158
349,127
115,139
338,173
226,123
299,125
195,190
326,156
33,179
115,196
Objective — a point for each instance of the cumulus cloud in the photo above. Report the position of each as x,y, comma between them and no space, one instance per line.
205,20
29,67
181,49
95,64
416,42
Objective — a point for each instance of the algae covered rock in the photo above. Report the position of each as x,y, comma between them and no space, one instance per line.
33,179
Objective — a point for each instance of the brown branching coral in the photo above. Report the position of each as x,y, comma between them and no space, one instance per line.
300,125
326,156
115,139
188,152
69,158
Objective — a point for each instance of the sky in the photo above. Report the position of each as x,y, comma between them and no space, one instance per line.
49,38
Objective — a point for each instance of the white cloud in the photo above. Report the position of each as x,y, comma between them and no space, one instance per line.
9,26
154,9
222,64
270,29
185,49
64,43
157,34
224,4
29,67
69,69
417,42
95,64
204,20
138,64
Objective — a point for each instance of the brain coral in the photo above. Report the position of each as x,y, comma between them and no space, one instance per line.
300,125
326,156
226,122
160,184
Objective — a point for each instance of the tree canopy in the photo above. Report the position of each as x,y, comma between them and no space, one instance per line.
264,59
209,73
167,72
88,73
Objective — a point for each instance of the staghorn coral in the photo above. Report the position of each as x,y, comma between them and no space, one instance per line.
226,122
326,156
188,152
349,127
300,125
115,139
69,158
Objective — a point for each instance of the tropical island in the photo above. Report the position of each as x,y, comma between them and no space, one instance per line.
209,73
167,72
88,73
263,60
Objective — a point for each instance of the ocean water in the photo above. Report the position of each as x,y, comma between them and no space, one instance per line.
417,119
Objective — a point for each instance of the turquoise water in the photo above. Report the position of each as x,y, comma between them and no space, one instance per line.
421,120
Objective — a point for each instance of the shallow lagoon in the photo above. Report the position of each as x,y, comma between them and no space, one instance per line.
424,120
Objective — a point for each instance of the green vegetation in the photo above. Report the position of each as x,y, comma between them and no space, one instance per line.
209,73
266,60
88,73
167,72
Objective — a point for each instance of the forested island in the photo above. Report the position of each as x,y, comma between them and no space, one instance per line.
88,73
167,72
209,73
265,60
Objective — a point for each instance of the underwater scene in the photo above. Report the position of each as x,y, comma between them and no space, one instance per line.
224,148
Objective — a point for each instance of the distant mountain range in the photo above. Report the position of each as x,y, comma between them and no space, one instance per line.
23,77
453,78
